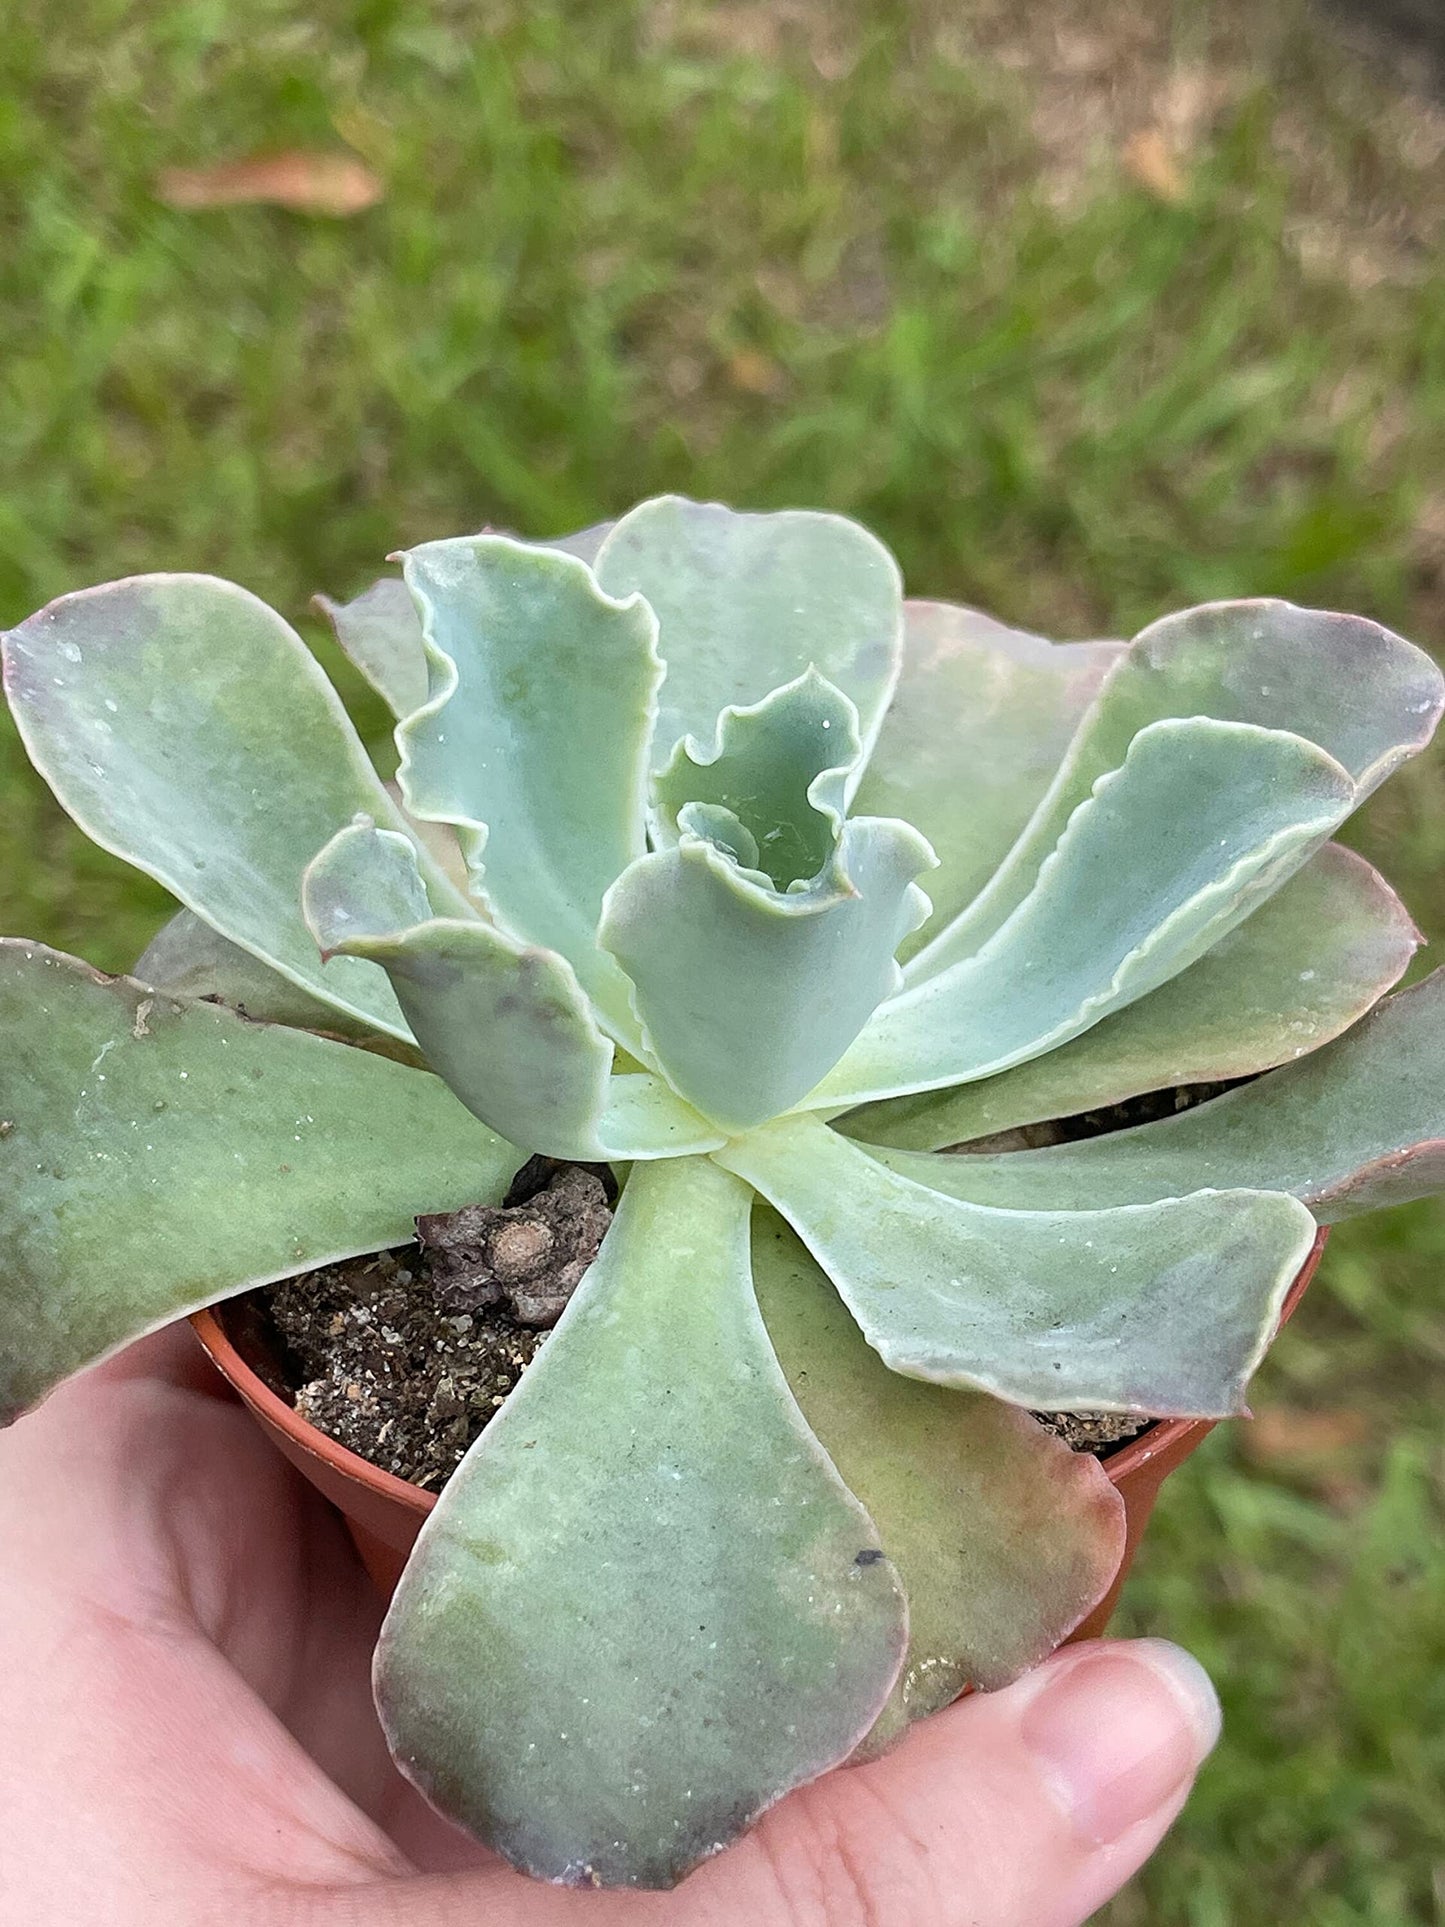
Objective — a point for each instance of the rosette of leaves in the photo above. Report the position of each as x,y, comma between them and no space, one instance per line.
775,887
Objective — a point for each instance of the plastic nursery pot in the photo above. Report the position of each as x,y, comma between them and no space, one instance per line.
385,1513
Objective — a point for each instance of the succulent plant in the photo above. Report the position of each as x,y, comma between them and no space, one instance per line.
772,1489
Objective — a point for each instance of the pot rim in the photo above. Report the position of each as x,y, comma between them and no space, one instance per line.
210,1329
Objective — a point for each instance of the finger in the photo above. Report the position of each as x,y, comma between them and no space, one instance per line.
1023,1808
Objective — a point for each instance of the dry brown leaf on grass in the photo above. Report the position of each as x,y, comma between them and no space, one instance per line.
304,181
1319,1451
1287,1435
1149,160
754,373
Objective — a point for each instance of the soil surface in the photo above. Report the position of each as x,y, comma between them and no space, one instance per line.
404,1356
1101,1433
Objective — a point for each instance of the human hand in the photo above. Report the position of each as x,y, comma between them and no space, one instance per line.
187,1737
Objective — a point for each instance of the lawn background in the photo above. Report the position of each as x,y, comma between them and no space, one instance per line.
1090,317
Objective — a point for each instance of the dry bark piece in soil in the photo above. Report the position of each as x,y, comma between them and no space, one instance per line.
528,1254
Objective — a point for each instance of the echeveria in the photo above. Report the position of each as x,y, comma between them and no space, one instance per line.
772,1489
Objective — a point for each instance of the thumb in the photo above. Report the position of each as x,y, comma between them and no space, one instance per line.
1027,1807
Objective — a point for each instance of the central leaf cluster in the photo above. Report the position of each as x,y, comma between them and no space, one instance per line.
668,825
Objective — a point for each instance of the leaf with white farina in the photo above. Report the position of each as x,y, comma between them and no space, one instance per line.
716,860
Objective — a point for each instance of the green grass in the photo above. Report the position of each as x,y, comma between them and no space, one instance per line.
881,258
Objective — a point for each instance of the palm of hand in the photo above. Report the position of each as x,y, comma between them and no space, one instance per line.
187,1734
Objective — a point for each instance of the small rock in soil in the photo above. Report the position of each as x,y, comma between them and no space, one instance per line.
380,1366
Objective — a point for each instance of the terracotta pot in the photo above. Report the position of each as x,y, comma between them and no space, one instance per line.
385,1513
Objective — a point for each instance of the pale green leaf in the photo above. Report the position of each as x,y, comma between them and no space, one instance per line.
583,543
187,729
1304,967
646,1606
746,603
534,738
762,938
973,736
778,769
1163,1308
715,824
1004,1539
1203,822
747,994
1356,1125
1364,696
505,1023
156,1155
189,959
381,632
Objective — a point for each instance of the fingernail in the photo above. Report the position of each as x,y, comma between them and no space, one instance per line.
1121,1728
